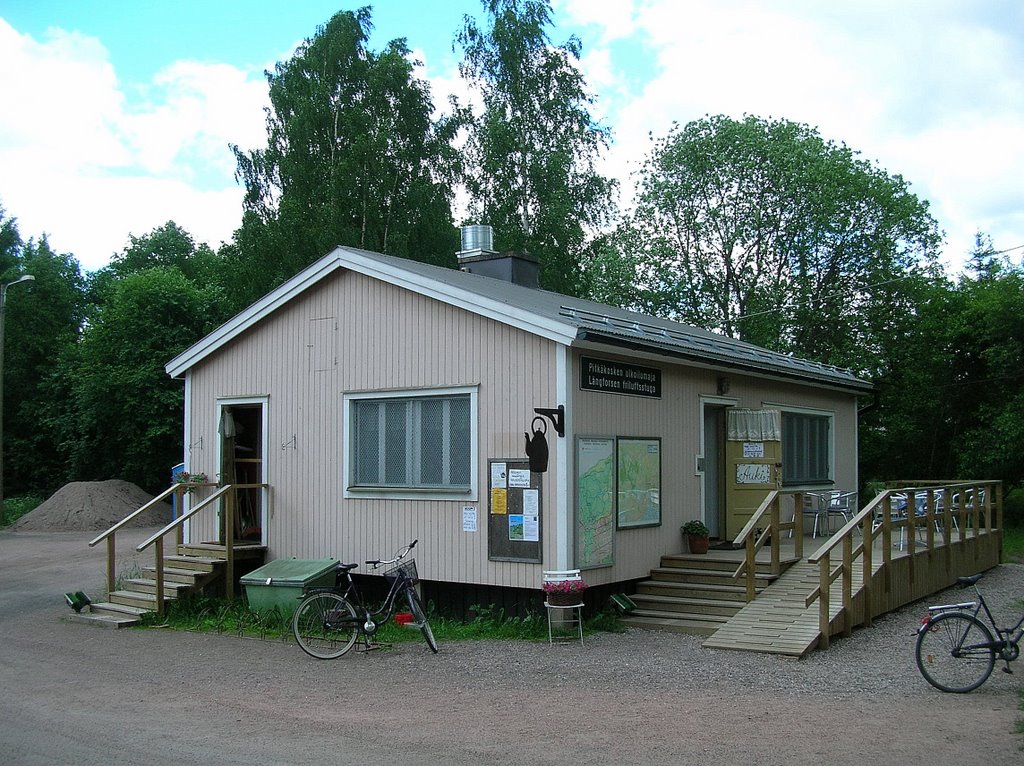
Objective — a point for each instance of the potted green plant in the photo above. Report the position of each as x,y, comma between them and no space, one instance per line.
697,533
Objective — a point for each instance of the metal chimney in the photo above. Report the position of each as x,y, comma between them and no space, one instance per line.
477,256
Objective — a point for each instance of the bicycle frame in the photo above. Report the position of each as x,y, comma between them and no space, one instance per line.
371,618
1006,639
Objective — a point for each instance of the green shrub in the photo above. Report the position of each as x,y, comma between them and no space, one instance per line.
1013,508
16,507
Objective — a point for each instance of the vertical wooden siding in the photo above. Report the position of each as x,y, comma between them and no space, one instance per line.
387,338
676,418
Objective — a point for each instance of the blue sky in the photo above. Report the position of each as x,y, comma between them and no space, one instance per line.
117,115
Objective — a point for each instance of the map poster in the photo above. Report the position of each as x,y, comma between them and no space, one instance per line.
638,479
595,502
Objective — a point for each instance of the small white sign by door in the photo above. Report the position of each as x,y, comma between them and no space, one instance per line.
753,473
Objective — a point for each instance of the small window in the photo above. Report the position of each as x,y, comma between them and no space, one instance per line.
806,449
421,442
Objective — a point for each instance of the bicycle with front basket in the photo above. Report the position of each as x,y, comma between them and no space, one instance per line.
956,650
330,619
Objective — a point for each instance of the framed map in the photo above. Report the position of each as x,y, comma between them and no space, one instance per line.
595,502
638,481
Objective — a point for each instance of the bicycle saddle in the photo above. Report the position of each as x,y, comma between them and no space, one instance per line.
963,582
346,567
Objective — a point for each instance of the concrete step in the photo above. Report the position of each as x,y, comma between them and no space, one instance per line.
108,615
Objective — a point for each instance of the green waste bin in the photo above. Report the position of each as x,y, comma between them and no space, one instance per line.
280,583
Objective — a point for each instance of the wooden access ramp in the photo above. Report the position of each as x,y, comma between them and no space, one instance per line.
778,620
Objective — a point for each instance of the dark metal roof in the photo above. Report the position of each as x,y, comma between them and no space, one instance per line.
629,330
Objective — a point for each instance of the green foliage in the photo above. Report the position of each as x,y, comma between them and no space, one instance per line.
120,393
1013,544
353,157
43,319
695,528
16,507
767,232
1013,508
532,153
951,403
206,614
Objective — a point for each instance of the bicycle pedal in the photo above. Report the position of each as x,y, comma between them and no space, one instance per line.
1008,671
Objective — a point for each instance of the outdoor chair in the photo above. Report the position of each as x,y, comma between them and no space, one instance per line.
567,612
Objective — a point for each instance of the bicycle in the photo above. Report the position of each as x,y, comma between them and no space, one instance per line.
955,648
329,619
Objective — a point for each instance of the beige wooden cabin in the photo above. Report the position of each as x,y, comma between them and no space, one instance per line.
370,401
296,394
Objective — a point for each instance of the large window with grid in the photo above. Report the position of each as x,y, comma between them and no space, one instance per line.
806,448
422,442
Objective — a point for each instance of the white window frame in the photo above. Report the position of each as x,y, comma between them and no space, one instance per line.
830,415
411,493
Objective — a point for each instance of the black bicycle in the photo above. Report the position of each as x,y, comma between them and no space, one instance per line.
330,619
956,650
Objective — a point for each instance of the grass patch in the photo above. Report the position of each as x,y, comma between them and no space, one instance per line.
216,615
16,507
1013,545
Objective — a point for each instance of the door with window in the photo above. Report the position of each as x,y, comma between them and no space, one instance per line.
754,463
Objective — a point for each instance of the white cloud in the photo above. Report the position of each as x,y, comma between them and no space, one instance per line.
87,165
932,91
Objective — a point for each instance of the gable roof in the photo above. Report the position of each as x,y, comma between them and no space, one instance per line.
560,318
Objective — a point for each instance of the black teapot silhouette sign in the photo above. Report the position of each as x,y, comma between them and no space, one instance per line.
537,446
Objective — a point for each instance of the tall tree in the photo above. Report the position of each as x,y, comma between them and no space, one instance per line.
353,157
127,412
43,327
533,150
765,231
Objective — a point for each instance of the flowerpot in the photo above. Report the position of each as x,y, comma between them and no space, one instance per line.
563,599
698,544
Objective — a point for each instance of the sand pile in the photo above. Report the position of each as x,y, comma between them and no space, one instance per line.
89,505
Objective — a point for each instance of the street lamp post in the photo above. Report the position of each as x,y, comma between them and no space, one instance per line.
3,310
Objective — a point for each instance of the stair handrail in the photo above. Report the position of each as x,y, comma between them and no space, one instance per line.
876,520
772,506
110,535
229,508
113,530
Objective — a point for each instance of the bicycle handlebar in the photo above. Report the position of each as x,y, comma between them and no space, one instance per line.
402,553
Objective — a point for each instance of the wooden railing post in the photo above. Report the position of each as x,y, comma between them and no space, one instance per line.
751,554
111,566
824,584
848,585
867,538
160,577
776,513
229,544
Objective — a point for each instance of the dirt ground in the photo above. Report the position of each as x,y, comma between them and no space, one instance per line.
75,694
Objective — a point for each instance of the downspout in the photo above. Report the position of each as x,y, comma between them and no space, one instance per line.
564,540
186,498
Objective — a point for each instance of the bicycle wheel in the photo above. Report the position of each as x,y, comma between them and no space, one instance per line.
420,617
325,625
954,653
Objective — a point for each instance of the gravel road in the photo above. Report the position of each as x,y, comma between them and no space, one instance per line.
75,694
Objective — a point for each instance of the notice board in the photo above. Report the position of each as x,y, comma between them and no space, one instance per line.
515,505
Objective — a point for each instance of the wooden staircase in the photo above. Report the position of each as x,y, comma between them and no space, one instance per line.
694,593
188,572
